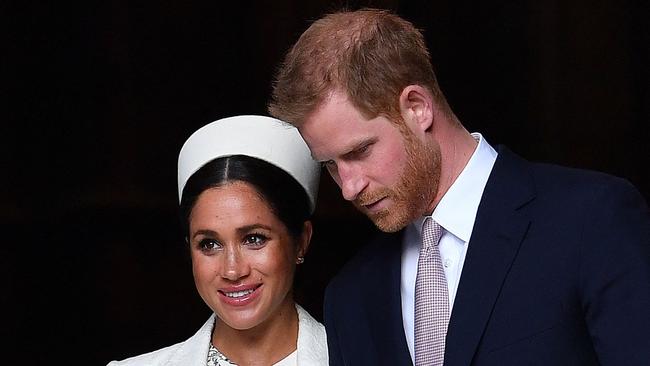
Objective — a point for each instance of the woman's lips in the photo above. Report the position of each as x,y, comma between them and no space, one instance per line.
240,295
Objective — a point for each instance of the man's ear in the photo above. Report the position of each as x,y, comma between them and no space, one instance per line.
416,108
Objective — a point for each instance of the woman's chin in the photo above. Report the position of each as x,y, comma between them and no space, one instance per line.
241,319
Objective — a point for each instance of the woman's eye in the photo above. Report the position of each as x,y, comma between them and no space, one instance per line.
255,239
207,245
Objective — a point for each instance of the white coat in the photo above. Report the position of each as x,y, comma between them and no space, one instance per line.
311,350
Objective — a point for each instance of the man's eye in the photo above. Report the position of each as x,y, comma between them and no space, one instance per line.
328,164
255,239
362,150
207,245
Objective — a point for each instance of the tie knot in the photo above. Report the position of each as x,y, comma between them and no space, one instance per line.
431,233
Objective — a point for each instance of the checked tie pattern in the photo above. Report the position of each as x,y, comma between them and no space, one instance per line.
431,300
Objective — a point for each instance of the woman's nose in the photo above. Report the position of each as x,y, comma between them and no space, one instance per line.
235,264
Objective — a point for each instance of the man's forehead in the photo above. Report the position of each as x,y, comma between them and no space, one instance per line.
334,127
329,143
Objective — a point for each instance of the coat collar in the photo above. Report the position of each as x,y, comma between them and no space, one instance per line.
312,340
311,345
501,224
194,351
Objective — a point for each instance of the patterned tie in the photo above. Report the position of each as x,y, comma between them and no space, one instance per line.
431,300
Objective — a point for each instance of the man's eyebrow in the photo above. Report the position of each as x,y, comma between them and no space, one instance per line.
350,149
359,145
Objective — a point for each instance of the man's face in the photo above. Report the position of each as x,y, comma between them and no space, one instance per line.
384,170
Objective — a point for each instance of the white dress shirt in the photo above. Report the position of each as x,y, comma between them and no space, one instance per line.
456,213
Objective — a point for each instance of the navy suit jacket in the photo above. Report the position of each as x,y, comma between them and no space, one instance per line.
557,273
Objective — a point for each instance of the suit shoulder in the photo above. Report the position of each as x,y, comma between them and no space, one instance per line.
569,174
376,254
579,183
557,180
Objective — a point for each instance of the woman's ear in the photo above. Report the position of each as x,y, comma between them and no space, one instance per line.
304,241
416,108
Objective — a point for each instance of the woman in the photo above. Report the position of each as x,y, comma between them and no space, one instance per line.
247,187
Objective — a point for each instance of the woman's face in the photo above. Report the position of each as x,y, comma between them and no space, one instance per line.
243,257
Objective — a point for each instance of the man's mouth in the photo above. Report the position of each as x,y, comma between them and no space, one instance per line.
374,205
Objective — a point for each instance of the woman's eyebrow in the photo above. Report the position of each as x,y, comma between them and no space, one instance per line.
247,228
205,232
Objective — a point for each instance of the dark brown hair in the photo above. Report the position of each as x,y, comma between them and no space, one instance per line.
286,197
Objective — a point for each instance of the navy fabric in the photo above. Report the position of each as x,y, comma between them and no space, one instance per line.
557,273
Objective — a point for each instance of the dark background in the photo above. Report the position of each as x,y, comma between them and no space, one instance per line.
98,97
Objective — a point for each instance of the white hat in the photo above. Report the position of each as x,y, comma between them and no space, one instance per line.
261,137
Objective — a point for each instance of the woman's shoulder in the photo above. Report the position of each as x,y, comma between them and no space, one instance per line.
182,353
158,357
312,340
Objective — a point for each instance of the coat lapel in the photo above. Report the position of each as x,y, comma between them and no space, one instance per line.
499,229
384,304
194,351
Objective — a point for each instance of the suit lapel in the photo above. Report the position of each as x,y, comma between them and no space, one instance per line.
384,305
499,229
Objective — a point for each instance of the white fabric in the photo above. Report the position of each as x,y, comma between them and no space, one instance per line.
456,213
221,360
290,360
311,349
261,137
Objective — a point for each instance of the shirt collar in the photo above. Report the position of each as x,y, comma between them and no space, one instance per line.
456,211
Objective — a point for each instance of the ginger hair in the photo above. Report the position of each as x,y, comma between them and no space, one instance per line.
369,54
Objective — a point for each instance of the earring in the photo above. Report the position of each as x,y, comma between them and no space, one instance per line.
300,260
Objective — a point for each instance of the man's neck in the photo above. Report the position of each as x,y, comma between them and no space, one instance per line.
456,148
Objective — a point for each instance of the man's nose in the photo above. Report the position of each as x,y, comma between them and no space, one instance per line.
351,181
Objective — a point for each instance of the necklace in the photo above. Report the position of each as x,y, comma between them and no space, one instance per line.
216,358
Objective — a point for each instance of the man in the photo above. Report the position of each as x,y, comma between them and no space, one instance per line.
492,260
